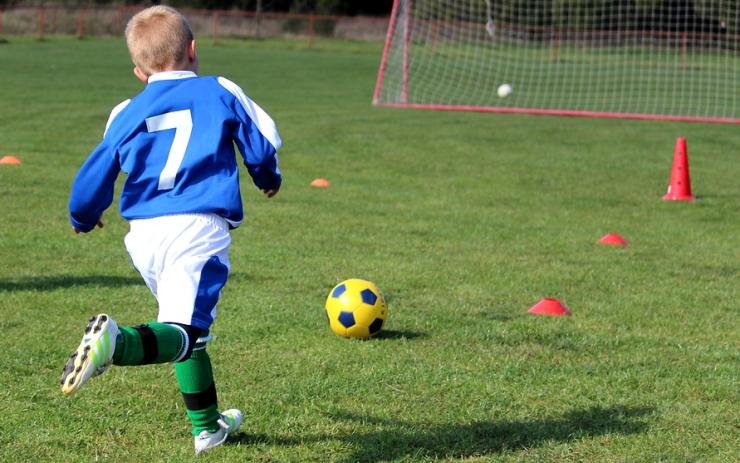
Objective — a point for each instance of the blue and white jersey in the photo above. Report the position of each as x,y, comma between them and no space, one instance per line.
175,143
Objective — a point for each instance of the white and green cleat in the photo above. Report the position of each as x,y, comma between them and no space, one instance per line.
94,354
228,425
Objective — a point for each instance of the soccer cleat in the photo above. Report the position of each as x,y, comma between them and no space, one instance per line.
228,425
94,354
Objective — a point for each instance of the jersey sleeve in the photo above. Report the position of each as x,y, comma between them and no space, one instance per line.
257,139
92,189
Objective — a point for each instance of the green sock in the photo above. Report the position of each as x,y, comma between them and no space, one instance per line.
151,342
198,389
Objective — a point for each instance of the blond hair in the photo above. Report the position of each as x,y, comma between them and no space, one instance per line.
158,39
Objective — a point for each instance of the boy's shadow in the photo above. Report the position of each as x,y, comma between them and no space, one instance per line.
50,283
399,440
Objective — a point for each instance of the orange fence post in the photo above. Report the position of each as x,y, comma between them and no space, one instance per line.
41,18
311,30
119,20
81,24
258,18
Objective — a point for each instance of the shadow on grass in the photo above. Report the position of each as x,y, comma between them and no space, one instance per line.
403,440
241,276
51,283
500,317
399,334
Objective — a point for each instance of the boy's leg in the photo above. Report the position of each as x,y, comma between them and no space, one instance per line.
194,374
195,377
172,255
154,342
105,343
198,388
184,261
188,288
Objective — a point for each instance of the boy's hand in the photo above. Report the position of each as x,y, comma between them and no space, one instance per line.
271,193
77,232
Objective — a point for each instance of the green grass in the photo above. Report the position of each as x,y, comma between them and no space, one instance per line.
464,220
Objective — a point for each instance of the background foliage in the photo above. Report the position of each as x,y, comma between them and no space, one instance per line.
676,15
339,7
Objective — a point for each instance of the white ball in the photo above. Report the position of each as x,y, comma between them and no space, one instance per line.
504,90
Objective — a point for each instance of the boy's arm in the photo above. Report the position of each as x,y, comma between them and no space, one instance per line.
92,190
257,139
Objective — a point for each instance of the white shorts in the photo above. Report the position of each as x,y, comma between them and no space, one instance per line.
184,260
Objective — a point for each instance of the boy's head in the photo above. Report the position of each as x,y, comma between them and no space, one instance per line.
159,39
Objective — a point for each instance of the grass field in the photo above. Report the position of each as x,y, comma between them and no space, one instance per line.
463,220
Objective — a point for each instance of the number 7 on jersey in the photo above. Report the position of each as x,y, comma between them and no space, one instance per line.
182,122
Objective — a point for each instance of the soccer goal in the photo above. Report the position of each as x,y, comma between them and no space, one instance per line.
641,59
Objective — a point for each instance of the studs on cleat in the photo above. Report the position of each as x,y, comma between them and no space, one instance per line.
84,363
100,322
69,367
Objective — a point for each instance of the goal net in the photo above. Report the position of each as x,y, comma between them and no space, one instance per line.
647,59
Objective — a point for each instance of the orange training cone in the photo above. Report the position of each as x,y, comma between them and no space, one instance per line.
613,239
679,188
320,183
549,306
10,160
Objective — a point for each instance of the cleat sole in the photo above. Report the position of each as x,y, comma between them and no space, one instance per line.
80,359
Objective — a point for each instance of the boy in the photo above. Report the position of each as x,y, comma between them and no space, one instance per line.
175,142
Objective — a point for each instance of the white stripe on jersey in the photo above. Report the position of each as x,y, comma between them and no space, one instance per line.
264,123
119,107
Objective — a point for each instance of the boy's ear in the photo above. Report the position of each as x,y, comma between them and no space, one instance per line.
141,75
192,53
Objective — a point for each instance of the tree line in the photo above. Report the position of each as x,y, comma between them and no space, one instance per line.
711,16
661,15
332,7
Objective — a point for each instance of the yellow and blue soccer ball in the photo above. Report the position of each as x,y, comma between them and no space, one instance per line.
356,309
